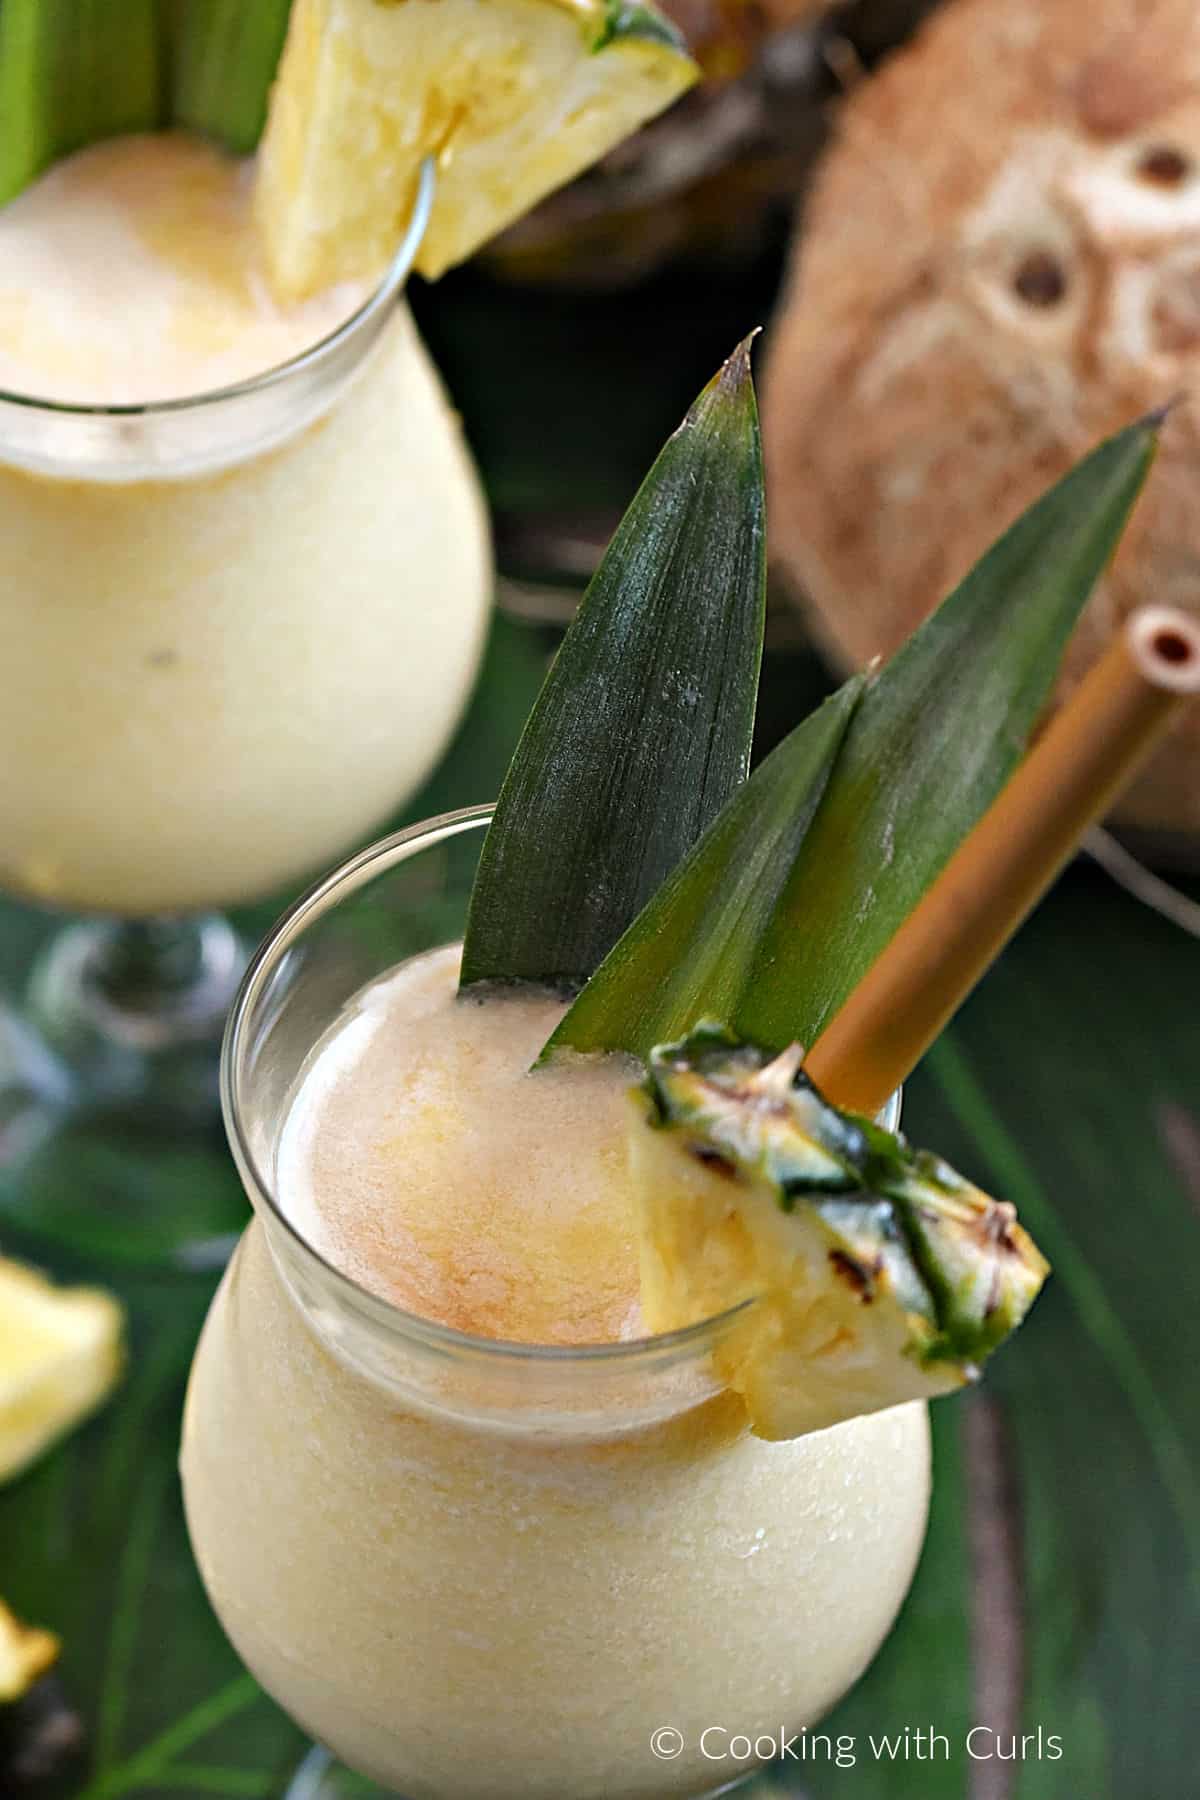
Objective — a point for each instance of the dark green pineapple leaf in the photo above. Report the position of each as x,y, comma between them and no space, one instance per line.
71,72
934,738
642,729
690,952
224,54
938,735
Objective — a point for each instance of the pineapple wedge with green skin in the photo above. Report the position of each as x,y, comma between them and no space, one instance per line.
868,1273
513,97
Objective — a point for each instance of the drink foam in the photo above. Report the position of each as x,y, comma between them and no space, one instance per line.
423,1158
130,273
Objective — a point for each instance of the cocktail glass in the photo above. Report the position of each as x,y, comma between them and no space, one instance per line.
237,630
476,1569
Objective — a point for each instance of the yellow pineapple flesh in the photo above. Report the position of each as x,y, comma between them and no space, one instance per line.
512,97
25,1655
61,1351
867,1274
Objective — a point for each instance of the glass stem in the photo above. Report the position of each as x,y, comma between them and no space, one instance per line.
113,998
146,984
156,977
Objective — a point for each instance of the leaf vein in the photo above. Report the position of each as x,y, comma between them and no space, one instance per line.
967,1098
149,1762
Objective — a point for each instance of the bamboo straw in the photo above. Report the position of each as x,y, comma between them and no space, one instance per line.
1069,779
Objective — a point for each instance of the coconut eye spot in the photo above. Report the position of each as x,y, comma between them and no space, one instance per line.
1040,279
1164,166
1173,647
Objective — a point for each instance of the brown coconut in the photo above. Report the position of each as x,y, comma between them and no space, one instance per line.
999,265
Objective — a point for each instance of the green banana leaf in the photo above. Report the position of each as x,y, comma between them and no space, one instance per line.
642,730
73,71
1056,1586
776,915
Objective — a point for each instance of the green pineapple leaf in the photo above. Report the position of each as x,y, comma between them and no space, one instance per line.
642,729
224,54
693,956
71,72
932,740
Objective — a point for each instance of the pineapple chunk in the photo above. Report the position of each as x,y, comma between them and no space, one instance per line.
513,97
867,1273
60,1355
25,1655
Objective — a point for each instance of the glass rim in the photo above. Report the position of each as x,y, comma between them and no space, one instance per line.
311,357
317,901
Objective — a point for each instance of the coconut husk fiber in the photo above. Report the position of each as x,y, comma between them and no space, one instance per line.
999,264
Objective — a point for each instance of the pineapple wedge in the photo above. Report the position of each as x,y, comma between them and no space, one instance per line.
513,97
872,1274
25,1655
61,1351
